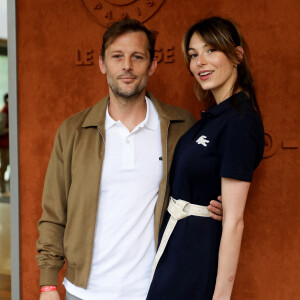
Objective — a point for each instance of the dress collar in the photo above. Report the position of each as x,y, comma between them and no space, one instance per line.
216,110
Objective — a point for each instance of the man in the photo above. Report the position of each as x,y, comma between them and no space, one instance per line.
106,185
4,146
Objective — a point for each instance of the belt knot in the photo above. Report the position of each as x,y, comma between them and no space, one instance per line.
176,209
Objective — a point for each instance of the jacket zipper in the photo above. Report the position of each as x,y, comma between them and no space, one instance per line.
160,218
100,174
98,200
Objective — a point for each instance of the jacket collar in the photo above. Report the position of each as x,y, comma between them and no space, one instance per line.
96,115
164,110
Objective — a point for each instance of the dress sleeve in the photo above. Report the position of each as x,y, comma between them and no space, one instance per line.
241,147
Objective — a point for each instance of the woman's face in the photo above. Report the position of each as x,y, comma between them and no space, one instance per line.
211,68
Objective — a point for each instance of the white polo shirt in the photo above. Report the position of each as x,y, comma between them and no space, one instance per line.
124,246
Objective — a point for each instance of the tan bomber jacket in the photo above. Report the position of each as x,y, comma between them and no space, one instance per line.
71,189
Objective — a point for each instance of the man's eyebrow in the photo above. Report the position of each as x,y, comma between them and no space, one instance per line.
140,53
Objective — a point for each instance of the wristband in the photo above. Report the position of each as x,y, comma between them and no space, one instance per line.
48,288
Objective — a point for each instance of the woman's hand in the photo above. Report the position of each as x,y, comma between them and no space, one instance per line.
216,209
220,298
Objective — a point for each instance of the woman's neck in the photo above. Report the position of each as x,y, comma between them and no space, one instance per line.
223,95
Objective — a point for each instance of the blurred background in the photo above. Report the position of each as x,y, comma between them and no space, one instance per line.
5,261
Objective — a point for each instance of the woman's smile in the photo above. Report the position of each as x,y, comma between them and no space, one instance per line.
212,69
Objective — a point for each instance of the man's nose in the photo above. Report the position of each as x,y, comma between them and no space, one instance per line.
127,64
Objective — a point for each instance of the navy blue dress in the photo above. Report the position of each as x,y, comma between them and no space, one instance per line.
228,141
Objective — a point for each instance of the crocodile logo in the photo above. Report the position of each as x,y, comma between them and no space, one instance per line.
202,140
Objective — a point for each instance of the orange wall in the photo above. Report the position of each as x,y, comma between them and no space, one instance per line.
52,87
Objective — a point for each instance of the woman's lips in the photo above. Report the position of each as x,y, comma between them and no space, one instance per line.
204,75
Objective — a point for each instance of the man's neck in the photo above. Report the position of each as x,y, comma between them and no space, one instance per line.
130,112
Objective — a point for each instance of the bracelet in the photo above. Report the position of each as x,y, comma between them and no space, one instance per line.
48,288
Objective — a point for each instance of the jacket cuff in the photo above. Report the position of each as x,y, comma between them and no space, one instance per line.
48,276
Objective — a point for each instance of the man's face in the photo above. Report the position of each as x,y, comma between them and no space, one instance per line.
127,65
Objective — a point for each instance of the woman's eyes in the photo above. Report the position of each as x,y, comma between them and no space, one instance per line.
193,55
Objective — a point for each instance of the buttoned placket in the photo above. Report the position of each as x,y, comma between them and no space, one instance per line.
127,139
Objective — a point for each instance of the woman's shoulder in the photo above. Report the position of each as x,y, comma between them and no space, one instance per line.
242,112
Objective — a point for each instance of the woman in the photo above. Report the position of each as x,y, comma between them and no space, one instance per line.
198,259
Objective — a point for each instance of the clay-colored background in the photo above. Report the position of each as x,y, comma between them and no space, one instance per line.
52,87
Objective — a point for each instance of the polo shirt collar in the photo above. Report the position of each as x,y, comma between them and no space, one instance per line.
109,121
96,114
216,110
150,121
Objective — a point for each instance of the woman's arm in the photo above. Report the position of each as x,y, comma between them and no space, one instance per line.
234,195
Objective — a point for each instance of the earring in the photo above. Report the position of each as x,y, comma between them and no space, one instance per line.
235,66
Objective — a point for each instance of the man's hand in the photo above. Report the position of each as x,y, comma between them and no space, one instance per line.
216,209
52,295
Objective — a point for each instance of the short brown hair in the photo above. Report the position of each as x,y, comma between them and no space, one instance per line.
125,26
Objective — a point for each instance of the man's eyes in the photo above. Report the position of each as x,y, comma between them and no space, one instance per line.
136,56
116,56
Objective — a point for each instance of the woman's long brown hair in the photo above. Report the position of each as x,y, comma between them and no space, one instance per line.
223,35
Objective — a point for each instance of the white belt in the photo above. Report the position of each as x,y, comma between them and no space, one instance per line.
178,209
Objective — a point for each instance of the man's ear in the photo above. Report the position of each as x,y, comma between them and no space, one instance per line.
102,65
152,66
240,53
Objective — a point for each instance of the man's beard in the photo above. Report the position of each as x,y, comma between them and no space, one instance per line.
134,93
